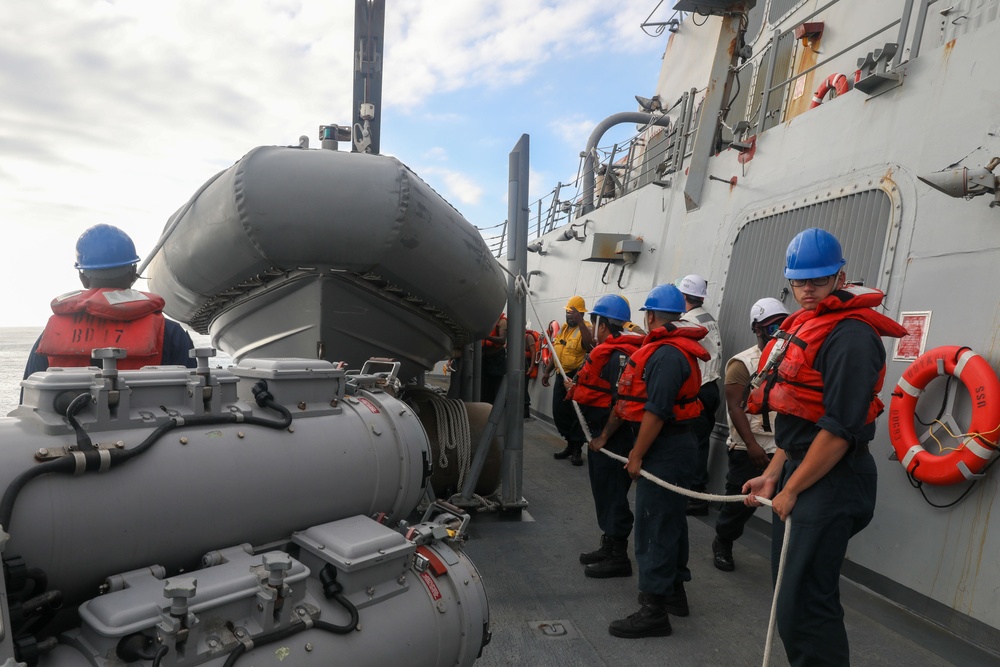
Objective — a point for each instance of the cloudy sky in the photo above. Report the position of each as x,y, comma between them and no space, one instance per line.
116,111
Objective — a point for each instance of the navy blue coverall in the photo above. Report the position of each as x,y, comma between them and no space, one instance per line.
661,530
826,515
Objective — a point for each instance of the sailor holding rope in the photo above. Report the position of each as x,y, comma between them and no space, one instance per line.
822,373
659,390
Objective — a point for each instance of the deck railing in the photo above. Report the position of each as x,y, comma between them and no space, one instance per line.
653,154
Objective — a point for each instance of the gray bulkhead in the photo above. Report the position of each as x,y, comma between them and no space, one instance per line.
851,166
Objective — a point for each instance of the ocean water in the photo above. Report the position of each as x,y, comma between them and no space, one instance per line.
16,342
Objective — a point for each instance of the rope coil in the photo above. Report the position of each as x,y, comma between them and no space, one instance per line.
454,433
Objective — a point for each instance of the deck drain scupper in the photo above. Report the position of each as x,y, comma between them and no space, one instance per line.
559,629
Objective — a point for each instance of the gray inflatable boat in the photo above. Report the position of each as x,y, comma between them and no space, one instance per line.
294,252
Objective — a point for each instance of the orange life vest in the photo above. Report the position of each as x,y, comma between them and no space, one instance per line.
786,381
104,317
531,360
553,331
592,389
632,396
488,345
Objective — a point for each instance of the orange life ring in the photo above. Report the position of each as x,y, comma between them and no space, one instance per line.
978,446
836,82
553,331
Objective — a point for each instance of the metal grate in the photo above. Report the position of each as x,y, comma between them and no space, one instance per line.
738,103
859,221
757,94
779,8
755,21
784,51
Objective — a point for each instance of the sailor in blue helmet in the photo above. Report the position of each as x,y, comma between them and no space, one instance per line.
595,388
107,312
658,392
822,373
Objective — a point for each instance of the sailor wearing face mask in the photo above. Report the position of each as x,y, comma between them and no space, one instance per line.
572,344
750,444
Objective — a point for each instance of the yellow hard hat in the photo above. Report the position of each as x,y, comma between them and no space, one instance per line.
576,302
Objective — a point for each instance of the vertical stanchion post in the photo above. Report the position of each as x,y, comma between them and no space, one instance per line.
517,265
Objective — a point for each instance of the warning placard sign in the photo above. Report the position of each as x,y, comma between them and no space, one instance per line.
911,346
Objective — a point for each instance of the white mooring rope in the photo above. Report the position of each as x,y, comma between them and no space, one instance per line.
455,433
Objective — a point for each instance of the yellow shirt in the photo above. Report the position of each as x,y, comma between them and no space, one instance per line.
569,346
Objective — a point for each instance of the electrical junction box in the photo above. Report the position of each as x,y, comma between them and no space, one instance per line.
704,7
604,247
630,245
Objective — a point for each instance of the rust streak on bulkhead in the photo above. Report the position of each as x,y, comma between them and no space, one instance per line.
887,181
948,48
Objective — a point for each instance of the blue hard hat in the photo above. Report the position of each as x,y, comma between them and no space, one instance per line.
104,247
613,307
813,253
665,299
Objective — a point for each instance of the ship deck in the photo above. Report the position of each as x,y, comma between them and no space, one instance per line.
532,576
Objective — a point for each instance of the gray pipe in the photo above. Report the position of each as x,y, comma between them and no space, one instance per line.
595,137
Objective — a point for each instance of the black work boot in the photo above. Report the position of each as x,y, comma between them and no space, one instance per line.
603,552
677,602
563,453
650,621
615,565
576,456
722,553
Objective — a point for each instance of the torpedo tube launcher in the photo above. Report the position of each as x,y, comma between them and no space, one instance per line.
173,516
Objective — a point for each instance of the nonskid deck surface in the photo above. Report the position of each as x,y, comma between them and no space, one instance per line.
534,580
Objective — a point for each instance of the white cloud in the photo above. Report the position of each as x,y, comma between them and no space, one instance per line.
573,129
437,154
457,186
489,42
117,112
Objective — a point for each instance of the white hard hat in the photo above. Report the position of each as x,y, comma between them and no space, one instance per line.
765,309
694,285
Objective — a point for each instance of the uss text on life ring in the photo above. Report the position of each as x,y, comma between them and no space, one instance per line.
977,448
836,82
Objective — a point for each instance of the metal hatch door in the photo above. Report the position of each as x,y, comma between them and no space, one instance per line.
860,221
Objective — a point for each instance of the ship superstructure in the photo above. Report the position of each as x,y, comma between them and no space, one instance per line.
744,142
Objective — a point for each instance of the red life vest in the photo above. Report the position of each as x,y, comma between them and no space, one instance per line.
592,389
632,396
531,360
488,345
553,331
786,381
104,317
